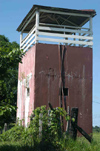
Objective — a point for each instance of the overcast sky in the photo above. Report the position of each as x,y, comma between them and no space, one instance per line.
12,13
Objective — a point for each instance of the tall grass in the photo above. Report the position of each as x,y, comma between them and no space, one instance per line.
19,138
81,144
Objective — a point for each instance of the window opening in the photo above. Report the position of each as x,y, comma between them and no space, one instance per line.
28,91
65,91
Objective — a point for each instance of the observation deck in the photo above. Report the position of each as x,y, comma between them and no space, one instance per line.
53,25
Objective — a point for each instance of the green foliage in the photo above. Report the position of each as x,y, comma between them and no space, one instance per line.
15,146
51,138
83,145
96,129
51,129
48,139
10,56
14,134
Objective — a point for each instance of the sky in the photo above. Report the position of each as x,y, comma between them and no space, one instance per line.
12,12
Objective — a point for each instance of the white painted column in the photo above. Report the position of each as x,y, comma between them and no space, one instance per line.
37,25
90,27
21,38
19,100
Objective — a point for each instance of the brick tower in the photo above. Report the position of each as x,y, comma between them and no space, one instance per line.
58,47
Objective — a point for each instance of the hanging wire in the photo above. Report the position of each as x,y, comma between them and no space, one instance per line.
96,102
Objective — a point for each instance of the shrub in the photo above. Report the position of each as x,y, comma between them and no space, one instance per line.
13,134
50,135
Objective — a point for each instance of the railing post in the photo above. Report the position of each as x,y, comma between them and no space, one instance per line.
5,127
40,124
68,122
21,38
37,25
65,38
90,27
79,39
74,38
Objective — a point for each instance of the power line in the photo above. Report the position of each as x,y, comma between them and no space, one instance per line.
96,102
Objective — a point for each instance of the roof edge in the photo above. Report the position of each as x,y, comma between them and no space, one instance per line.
91,12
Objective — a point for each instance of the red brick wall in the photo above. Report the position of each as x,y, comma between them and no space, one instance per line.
78,79
46,71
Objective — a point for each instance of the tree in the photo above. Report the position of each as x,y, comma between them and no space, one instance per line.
10,56
96,129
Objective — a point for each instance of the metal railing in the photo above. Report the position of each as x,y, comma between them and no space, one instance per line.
69,35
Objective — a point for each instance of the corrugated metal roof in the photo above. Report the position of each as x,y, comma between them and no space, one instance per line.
77,20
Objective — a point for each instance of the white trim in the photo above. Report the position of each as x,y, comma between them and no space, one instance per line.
64,13
21,37
28,41
37,18
37,24
64,26
64,41
90,24
29,45
27,37
65,35
63,30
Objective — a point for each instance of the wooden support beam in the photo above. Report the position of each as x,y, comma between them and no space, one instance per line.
64,13
65,20
28,21
83,133
68,21
73,129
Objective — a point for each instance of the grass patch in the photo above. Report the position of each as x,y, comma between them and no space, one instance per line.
81,144
14,146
